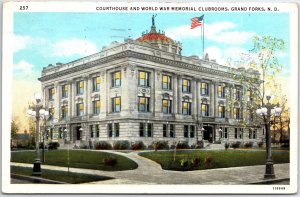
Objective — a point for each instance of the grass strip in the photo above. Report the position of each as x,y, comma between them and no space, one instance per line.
77,159
62,176
186,160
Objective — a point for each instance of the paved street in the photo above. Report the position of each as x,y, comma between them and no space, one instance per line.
149,172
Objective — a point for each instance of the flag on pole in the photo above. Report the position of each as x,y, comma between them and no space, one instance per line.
197,21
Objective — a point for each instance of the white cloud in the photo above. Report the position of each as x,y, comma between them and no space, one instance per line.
21,42
233,54
222,32
25,70
74,46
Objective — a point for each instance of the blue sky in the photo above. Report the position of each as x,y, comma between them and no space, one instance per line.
44,38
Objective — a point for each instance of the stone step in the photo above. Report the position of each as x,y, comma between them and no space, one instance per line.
215,146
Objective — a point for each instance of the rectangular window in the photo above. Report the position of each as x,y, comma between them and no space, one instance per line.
51,112
165,128
167,82
186,131
149,130
64,111
142,130
192,131
254,134
116,79
117,129
79,87
97,130
110,130
237,94
204,88
186,108
236,113
144,78
144,104
186,85
204,110
249,95
167,106
91,131
250,134
226,132
96,84
172,130
222,111
116,104
79,109
235,133
96,107
221,91
51,93
64,91
241,132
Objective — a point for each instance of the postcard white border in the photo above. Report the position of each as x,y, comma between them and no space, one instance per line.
10,7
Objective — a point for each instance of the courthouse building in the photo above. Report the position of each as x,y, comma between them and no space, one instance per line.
145,90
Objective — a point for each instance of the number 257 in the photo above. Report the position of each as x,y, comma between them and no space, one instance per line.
23,7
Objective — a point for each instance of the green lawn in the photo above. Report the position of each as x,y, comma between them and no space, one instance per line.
62,176
78,159
207,159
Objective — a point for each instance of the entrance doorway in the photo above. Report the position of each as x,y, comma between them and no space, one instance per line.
208,134
78,133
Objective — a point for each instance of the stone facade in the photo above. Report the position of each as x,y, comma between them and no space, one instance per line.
83,96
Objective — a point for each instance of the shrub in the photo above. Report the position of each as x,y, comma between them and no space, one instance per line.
150,147
110,161
199,145
172,146
227,145
53,145
260,144
103,145
248,144
84,146
184,164
196,162
161,145
122,145
236,144
208,162
182,145
138,146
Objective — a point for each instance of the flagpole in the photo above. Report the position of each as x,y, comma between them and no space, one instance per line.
203,38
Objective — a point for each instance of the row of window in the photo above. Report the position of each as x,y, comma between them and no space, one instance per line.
144,80
146,130
144,106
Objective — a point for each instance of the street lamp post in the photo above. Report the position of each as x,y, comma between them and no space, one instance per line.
266,112
37,112
65,132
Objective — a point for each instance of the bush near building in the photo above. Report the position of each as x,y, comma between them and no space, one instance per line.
248,144
103,145
53,145
138,146
182,145
161,145
122,145
236,144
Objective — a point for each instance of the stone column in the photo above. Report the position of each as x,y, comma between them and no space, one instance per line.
85,96
212,98
194,94
70,99
179,104
56,101
175,93
73,98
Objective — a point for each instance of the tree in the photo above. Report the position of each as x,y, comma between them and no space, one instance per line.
257,73
14,129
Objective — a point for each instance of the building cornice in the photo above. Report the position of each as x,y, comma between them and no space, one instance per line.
137,55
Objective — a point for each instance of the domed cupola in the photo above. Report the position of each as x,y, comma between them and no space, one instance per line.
160,40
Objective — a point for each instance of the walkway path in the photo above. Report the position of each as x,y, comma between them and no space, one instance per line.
149,172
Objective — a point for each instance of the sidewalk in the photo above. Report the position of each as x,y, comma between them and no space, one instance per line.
149,172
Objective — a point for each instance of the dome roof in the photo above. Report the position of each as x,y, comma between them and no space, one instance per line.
154,37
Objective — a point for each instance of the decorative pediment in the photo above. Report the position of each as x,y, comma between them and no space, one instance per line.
79,100
64,102
167,96
96,97
186,98
221,103
237,104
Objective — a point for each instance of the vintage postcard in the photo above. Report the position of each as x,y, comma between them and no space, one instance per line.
150,97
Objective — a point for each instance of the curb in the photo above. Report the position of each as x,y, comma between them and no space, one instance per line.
270,181
35,179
